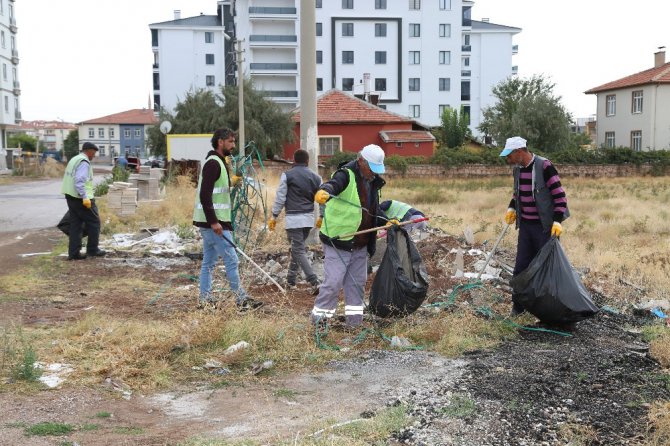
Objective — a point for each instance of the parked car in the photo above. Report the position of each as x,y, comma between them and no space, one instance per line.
134,163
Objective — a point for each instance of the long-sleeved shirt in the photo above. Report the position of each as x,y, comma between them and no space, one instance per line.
210,173
297,220
527,200
80,179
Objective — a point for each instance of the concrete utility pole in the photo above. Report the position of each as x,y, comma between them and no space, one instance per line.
241,142
309,136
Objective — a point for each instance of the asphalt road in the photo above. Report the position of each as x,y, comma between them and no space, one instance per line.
35,204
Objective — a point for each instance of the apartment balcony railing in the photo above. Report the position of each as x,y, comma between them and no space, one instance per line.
262,39
273,66
15,56
17,115
515,49
281,93
17,88
466,48
272,10
466,73
515,69
12,24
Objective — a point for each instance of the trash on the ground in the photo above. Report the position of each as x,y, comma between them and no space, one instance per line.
220,371
53,375
459,263
163,242
258,368
33,254
400,342
659,313
118,386
469,235
663,304
239,346
610,309
213,364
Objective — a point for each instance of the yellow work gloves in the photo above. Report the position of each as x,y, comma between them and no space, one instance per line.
272,224
321,196
510,216
556,229
319,221
87,203
391,222
235,180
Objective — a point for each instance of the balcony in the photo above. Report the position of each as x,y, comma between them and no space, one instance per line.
17,88
17,116
515,49
15,56
466,48
466,73
12,24
155,66
280,93
515,70
260,68
269,40
271,12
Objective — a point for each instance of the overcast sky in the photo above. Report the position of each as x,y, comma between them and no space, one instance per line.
83,59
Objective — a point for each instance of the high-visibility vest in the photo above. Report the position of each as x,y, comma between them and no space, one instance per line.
397,210
343,215
68,186
220,195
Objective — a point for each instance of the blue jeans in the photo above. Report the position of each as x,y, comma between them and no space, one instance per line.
213,247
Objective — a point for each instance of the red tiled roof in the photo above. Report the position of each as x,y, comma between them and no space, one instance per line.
658,75
406,136
47,125
134,116
335,107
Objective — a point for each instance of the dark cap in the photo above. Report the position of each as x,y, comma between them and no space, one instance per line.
89,145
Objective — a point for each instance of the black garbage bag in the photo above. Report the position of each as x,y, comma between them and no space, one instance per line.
401,283
64,225
550,288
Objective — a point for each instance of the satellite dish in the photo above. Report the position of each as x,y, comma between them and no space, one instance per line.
165,127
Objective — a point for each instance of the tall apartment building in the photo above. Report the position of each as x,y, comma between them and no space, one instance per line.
10,111
421,55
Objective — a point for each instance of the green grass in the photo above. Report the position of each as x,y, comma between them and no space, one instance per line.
129,430
288,394
89,427
48,428
103,415
459,407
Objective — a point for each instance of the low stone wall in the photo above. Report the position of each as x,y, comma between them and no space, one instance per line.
481,170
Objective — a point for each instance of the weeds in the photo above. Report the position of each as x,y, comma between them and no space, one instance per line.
26,370
48,428
460,406
103,415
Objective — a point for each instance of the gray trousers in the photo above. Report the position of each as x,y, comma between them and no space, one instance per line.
297,237
342,270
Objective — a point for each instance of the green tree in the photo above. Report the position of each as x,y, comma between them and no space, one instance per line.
454,129
71,144
528,108
265,122
26,142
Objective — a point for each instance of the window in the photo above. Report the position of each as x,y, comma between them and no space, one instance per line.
380,84
414,111
414,84
111,133
347,30
414,57
380,29
445,5
126,134
445,84
382,106
466,61
329,145
442,108
209,37
319,4
347,57
414,5
209,59
465,90
636,140
445,57
91,132
609,139
610,105
380,57
13,42
415,30
138,133
319,56
209,80
637,101
319,28
347,83
466,39
101,133
465,111
347,4
4,71
467,16
2,39
319,84
157,81
380,4
445,30
154,37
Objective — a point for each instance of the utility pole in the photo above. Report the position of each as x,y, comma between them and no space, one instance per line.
309,136
240,99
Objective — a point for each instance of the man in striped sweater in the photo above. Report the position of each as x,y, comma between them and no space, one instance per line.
538,205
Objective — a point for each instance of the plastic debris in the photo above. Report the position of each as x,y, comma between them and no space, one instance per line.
239,346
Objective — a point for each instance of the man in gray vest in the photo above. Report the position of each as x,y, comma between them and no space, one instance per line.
538,205
79,193
296,190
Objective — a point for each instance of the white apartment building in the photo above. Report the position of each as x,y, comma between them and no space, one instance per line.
10,89
421,55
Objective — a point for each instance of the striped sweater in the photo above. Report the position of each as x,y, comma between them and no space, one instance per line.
553,182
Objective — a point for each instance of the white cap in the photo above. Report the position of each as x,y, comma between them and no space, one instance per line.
513,143
374,155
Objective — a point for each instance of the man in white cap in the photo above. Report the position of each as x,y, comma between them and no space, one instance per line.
538,205
351,199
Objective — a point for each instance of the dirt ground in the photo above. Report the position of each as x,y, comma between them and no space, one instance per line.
526,392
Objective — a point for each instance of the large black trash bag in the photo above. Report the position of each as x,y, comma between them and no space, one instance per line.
64,225
401,283
550,288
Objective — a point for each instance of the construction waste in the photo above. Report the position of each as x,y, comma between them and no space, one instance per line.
123,197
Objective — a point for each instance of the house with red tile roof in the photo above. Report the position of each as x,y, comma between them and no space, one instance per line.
121,133
347,124
634,111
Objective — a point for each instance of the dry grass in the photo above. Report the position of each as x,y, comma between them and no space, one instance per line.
660,348
659,424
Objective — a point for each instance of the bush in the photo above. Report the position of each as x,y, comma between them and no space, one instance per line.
339,158
397,163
